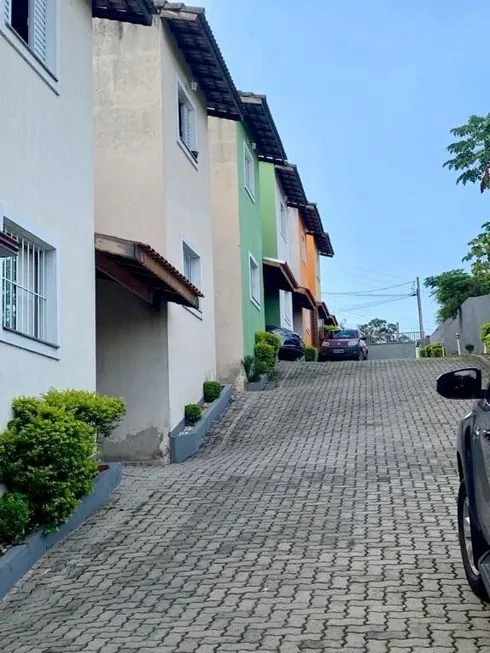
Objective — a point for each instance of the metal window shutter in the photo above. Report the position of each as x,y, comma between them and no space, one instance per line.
7,10
186,124
39,28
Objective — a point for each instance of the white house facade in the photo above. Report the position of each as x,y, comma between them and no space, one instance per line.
47,329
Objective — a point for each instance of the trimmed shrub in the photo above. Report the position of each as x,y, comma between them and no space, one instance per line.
49,450
193,413
434,350
211,391
250,367
485,332
470,348
15,517
268,338
311,354
265,358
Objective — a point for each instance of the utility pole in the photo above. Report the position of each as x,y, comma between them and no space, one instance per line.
419,306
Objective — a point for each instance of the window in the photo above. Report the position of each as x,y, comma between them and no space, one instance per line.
187,122
27,288
284,221
192,267
249,171
286,306
254,278
34,21
303,247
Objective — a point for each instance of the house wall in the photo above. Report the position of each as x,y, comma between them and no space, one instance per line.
46,186
250,243
147,186
132,362
268,209
313,269
226,248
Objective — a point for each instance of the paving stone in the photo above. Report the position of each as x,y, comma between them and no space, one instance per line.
319,516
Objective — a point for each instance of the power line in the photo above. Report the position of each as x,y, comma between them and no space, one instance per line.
373,304
369,293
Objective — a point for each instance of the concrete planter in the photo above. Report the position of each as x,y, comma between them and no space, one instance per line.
19,559
257,386
183,445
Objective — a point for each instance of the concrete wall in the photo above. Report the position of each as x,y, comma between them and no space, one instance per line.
46,186
132,363
228,304
149,188
392,351
473,313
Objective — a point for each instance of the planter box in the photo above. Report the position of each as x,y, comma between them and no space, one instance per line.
185,445
257,386
19,559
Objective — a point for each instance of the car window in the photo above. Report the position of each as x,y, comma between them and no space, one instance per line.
345,333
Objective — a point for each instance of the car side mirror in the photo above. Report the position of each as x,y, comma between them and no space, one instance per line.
460,384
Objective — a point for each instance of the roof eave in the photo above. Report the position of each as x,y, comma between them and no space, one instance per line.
137,12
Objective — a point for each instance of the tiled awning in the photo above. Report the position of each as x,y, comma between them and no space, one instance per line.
139,12
197,43
313,223
303,297
8,246
278,275
263,130
323,312
140,269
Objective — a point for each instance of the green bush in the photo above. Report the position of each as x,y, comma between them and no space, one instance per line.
470,348
211,391
193,413
270,339
49,450
311,354
434,350
485,332
265,358
249,366
15,517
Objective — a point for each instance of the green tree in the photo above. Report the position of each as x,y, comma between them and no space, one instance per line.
378,330
450,289
479,254
471,153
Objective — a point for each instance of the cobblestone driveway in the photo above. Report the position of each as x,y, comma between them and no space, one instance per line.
320,517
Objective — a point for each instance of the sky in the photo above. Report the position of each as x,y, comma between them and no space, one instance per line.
364,93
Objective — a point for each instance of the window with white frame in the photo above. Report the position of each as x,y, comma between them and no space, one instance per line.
34,22
249,171
192,267
286,306
284,221
187,122
303,247
28,288
254,277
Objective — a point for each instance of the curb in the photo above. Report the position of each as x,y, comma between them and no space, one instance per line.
19,559
186,445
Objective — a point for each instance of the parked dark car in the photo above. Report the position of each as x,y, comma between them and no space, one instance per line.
473,460
292,346
344,344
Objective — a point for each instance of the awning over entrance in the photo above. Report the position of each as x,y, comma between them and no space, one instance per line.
8,246
325,315
144,272
303,297
278,275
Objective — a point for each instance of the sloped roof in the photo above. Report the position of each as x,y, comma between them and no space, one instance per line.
139,12
196,41
263,130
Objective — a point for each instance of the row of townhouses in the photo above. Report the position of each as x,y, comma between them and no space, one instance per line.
150,221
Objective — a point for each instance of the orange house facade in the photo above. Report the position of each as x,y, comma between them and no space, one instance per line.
313,243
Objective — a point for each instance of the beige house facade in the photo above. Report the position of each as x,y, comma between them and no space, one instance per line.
154,91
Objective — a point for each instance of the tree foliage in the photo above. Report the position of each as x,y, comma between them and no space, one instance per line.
378,330
479,254
450,289
471,153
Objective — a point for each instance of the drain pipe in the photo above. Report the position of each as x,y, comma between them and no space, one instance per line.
459,344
